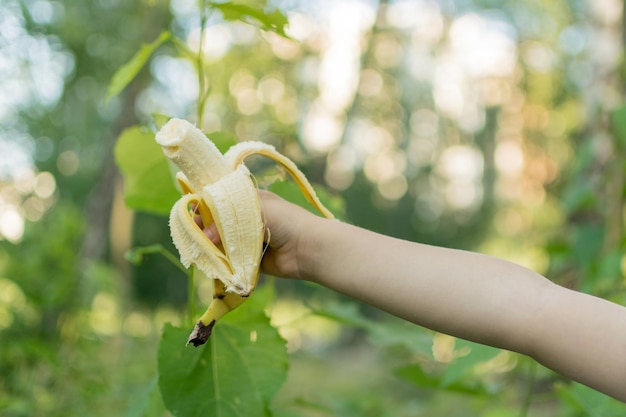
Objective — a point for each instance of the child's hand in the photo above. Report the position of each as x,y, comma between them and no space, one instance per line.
286,223
287,228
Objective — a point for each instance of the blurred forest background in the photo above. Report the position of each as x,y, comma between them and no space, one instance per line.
485,125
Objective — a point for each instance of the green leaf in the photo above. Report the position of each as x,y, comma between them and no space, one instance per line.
460,367
146,402
236,373
416,375
136,256
271,20
383,333
589,402
157,121
223,140
127,72
289,191
149,185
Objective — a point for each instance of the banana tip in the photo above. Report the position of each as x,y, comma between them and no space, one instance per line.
172,132
200,334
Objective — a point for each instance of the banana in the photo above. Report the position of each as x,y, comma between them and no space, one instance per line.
220,189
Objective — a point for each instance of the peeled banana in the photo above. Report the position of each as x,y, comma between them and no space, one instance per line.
219,189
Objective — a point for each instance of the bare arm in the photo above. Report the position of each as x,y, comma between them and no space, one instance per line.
465,294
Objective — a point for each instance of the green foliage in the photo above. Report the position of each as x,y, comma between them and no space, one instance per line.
583,401
136,255
144,402
223,140
272,20
393,334
45,269
68,312
289,190
237,372
459,369
416,375
384,334
127,72
149,184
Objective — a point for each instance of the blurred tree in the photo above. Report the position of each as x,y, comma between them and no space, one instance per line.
65,54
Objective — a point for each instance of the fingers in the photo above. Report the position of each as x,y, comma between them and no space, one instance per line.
210,230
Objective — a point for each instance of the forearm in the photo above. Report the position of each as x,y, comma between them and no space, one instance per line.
584,338
475,297
455,292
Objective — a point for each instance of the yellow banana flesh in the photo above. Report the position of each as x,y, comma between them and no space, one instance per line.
190,150
192,244
222,193
219,189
